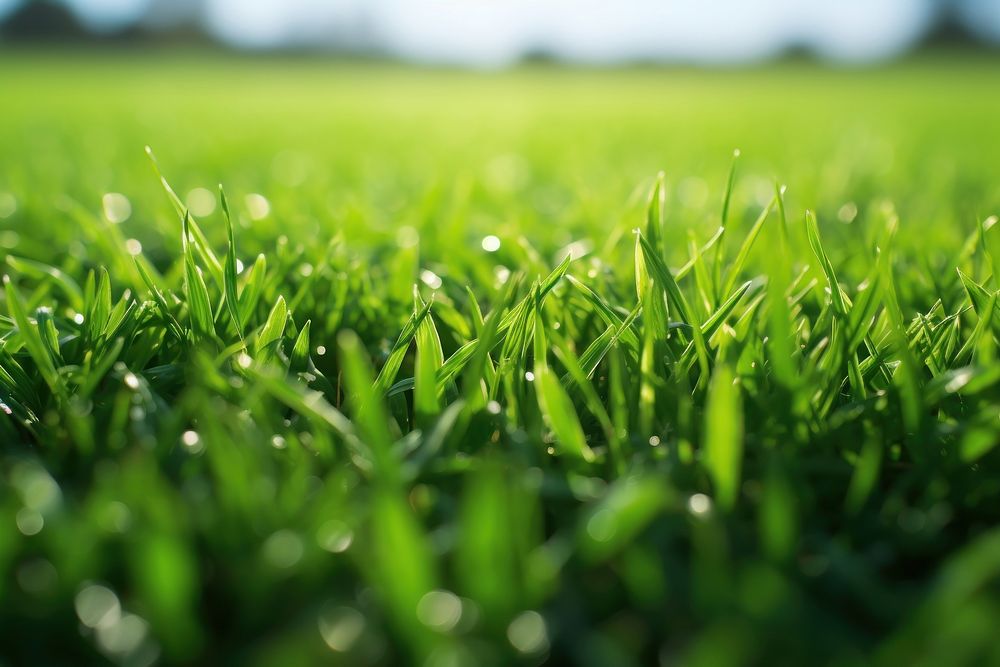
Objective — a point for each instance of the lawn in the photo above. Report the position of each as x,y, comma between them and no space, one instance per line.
496,368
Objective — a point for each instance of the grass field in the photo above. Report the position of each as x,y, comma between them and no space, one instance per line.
451,376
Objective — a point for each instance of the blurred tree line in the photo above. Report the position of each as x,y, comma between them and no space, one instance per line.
953,25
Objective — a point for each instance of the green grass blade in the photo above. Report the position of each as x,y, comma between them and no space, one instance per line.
723,447
31,337
198,302
253,288
269,338
299,360
555,404
733,269
429,360
229,277
387,376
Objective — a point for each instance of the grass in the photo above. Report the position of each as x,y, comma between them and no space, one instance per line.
447,375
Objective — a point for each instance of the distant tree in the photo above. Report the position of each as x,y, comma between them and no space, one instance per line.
354,30
171,14
949,28
42,21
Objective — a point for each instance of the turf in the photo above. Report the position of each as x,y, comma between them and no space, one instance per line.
447,374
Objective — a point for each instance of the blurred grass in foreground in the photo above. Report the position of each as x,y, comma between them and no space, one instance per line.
258,443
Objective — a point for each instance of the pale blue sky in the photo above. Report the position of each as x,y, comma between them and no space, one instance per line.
493,32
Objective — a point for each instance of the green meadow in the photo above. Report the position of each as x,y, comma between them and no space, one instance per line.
361,364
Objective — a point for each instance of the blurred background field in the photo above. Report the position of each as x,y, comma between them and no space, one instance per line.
530,111
543,149
211,519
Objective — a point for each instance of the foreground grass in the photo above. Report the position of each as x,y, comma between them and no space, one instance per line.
445,402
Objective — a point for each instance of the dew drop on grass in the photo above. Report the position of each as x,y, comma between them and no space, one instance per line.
847,213
192,442
430,279
124,637
29,522
334,536
133,247
340,627
200,201
575,250
491,243
699,504
440,610
959,380
38,490
527,633
258,206
97,606
117,207
283,549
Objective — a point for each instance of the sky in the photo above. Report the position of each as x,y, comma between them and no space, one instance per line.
495,32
